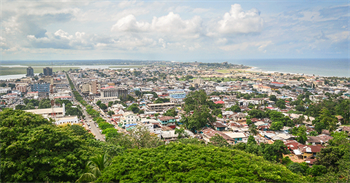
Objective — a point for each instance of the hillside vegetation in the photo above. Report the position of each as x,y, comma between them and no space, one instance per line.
178,162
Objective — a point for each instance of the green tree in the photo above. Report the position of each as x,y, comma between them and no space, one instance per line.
181,132
110,132
275,151
301,135
281,104
249,122
219,141
235,108
296,168
194,163
141,138
94,168
34,150
44,103
192,88
110,103
273,98
253,130
20,107
110,113
171,112
251,140
134,108
98,102
103,106
276,126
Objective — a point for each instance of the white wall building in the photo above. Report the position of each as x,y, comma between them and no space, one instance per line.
129,118
66,120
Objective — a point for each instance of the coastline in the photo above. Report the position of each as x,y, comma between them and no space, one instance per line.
257,69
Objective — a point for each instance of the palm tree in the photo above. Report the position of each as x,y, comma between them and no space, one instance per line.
94,167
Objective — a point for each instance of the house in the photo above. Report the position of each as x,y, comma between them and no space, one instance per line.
167,121
219,126
169,135
240,118
219,102
238,137
318,140
309,151
277,84
303,152
209,133
346,129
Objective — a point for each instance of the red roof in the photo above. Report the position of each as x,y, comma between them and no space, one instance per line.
219,102
165,118
108,87
269,108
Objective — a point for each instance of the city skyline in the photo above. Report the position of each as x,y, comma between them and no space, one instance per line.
174,30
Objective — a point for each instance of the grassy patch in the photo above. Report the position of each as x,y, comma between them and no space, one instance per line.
23,70
224,71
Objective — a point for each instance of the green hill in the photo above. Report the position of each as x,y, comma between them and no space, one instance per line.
178,162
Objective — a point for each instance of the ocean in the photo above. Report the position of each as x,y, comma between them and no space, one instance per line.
320,67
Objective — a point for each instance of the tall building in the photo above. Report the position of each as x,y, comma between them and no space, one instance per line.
94,87
47,71
113,92
30,72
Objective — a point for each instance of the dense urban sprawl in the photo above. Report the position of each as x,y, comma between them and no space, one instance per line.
175,122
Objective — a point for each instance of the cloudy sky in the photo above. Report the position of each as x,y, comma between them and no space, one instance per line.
174,30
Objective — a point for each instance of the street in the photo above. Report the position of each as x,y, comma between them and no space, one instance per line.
88,120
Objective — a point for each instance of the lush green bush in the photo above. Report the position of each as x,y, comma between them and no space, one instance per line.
178,162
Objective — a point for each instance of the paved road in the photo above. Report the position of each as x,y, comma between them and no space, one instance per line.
94,130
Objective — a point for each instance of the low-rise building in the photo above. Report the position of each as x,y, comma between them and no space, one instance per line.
160,107
167,121
128,119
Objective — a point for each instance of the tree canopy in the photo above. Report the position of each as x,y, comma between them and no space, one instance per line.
34,150
178,162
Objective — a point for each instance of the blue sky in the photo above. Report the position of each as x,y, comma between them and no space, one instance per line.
174,30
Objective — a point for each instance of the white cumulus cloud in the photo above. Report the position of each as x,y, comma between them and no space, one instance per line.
171,23
239,21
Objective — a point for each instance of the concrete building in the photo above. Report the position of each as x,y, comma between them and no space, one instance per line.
33,95
111,91
94,87
40,87
5,89
129,119
160,107
85,89
66,120
198,81
50,112
177,97
47,71
30,72
167,121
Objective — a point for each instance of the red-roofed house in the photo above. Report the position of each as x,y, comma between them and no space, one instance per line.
277,84
219,102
